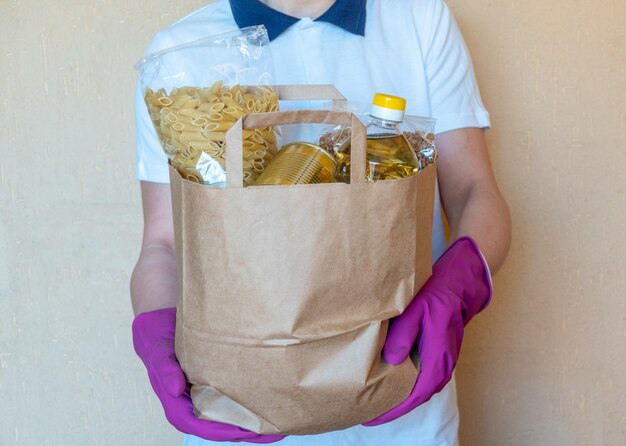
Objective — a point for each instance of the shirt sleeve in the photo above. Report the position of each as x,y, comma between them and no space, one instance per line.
453,91
151,161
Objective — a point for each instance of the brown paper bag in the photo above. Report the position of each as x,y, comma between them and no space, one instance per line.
286,291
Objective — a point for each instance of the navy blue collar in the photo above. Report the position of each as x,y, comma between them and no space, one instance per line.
346,14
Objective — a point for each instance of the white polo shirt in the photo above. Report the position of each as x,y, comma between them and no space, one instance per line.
410,48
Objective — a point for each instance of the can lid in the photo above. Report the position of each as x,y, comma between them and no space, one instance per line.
388,107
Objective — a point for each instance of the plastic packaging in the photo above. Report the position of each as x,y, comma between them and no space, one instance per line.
419,132
195,92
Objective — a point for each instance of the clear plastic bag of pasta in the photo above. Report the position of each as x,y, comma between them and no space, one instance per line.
195,92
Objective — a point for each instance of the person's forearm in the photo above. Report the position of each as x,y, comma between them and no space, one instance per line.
470,194
485,217
154,283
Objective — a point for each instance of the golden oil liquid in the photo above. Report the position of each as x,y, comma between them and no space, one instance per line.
389,156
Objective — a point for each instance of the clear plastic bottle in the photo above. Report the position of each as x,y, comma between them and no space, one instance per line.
389,153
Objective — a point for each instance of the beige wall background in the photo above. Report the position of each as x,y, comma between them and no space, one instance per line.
544,366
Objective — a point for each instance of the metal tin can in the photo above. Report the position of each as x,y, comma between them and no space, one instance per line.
299,163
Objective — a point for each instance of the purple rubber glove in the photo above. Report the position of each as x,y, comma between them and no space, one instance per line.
459,288
153,338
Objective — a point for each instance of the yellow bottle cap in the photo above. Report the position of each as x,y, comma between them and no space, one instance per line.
389,101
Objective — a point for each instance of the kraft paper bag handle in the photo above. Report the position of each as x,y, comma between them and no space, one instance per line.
323,92
234,138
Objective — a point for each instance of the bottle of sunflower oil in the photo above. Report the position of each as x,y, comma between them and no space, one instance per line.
389,154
